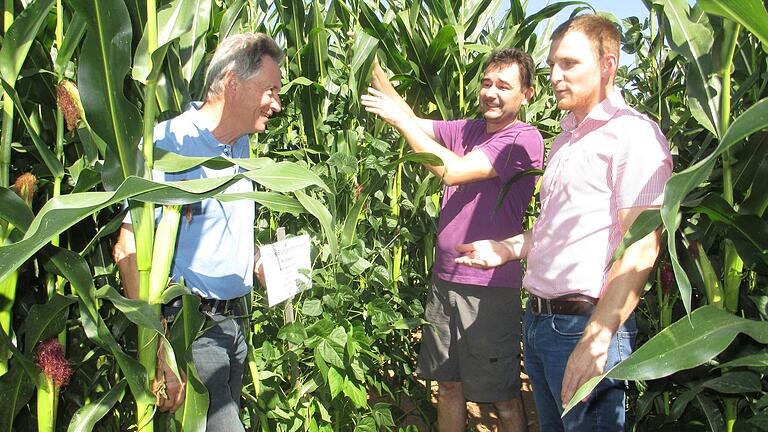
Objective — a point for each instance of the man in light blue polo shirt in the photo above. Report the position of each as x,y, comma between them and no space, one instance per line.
214,253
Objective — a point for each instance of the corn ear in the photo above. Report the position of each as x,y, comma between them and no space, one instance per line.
162,254
712,285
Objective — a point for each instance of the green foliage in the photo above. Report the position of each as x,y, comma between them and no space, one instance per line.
692,341
327,169
700,87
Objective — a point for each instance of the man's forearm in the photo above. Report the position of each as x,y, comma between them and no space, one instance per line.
494,253
623,289
420,142
519,245
620,297
129,276
124,255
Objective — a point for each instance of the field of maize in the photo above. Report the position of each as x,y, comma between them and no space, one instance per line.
84,81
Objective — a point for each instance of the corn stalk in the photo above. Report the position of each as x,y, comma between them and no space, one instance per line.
7,134
145,226
48,394
7,285
733,265
19,34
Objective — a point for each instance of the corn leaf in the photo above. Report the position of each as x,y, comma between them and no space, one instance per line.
73,267
173,22
184,331
137,311
19,38
62,212
85,419
46,320
759,360
749,13
50,160
72,38
748,232
687,343
103,65
318,210
645,224
680,184
271,200
14,210
17,389
192,43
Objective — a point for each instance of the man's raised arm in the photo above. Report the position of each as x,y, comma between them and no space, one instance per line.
456,169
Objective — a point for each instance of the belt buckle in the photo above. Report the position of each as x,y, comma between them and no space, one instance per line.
543,306
219,307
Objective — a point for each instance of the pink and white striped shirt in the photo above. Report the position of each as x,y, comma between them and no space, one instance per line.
616,158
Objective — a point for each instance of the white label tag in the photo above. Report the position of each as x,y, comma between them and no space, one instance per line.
287,267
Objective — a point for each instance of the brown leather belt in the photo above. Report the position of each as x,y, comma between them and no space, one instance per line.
572,304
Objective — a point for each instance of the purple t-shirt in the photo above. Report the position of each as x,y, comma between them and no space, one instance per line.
468,209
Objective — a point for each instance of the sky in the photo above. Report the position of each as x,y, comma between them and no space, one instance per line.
619,8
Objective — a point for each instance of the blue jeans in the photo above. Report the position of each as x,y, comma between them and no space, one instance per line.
219,356
548,341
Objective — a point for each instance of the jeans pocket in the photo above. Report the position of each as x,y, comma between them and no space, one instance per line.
570,326
626,337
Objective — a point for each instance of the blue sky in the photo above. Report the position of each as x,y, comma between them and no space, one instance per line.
620,8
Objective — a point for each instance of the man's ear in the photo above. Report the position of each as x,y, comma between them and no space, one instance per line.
527,95
231,83
609,66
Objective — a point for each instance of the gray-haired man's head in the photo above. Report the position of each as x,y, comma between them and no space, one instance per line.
241,54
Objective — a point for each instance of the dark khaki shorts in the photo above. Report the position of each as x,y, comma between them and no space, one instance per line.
474,337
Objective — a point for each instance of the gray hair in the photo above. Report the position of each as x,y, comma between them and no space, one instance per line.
242,55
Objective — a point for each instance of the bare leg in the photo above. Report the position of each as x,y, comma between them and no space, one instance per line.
511,415
451,407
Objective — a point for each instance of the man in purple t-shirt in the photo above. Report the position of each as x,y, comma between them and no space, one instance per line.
472,344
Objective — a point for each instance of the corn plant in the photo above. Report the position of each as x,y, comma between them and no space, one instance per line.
347,361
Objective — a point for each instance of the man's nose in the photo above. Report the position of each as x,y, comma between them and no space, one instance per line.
555,74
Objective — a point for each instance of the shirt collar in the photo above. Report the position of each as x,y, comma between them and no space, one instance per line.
603,111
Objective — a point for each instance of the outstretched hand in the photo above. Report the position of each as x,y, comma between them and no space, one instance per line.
483,254
379,79
377,102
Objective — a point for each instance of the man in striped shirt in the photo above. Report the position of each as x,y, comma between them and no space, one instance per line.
609,164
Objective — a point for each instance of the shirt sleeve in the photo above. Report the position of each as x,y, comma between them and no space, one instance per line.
642,166
512,153
446,133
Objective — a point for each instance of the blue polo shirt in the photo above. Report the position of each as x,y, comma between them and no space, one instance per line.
214,247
